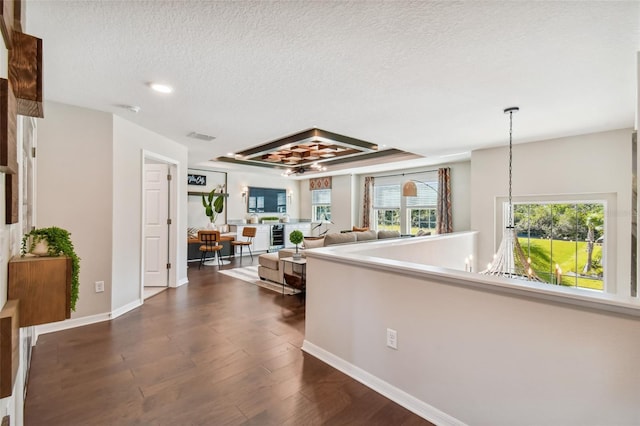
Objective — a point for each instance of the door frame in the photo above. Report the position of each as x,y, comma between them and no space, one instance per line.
173,212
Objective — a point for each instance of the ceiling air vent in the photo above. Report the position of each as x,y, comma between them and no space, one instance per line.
201,136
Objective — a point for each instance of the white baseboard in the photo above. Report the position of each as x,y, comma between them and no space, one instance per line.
126,308
398,396
70,323
79,322
182,282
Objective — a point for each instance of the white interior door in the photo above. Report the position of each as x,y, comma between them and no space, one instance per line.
156,228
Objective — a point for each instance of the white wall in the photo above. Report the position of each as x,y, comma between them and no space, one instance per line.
343,207
480,356
343,203
89,182
586,164
129,142
305,199
461,195
75,191
449,251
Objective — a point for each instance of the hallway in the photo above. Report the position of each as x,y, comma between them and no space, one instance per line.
213,352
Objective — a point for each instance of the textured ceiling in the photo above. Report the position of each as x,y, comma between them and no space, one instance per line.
426,77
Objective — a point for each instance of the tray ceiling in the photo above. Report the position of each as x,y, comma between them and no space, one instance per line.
312,150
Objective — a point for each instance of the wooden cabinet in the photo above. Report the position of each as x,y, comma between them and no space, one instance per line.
43,286
262,239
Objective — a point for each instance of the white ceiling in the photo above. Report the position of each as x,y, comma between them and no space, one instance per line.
426,77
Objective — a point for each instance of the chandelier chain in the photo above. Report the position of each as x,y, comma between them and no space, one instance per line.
510,167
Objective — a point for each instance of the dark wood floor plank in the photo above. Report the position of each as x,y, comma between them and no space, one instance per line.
217,351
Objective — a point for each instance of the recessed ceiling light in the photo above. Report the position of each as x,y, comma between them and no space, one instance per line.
161,88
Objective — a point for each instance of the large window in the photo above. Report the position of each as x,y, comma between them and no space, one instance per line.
564,241
321,205
386,205
421,210
392,211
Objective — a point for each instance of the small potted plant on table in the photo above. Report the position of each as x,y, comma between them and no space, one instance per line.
296,238
54,241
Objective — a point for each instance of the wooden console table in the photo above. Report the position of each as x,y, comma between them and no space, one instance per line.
43,286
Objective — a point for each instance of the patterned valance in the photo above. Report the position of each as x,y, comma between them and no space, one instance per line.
320,183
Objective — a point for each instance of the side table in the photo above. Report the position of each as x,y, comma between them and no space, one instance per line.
298,277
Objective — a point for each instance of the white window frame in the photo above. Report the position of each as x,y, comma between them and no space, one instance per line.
404,210
610,226
379,205
385,227
433,230
315,205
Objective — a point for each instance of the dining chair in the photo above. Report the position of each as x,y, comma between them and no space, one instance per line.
210,240
249,232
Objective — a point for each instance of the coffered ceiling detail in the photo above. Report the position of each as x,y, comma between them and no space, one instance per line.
311,150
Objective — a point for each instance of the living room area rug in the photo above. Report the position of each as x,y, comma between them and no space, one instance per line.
249,274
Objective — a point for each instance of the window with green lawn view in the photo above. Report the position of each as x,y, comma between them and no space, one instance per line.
321,205
422,209
564,241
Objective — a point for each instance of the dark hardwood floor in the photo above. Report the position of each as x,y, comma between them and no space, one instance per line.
217,351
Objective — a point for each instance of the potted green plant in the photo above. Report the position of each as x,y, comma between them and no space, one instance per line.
296,238
57,241
213,206
270,219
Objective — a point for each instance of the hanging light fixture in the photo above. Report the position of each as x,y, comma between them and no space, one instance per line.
409,189
510,260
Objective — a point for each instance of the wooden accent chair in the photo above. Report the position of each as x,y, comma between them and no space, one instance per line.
210,240
249,232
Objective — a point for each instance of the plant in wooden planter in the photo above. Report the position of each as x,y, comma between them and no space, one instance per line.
57,242
296,237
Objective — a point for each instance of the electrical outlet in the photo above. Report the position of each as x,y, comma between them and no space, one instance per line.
392,338
99,286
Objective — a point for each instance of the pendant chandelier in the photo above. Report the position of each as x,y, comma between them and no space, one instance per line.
510,260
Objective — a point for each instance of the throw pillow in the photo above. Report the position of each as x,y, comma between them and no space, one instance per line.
349,237
356,229
313,243
365,235
388,234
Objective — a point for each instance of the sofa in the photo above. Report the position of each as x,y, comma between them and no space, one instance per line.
270,265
